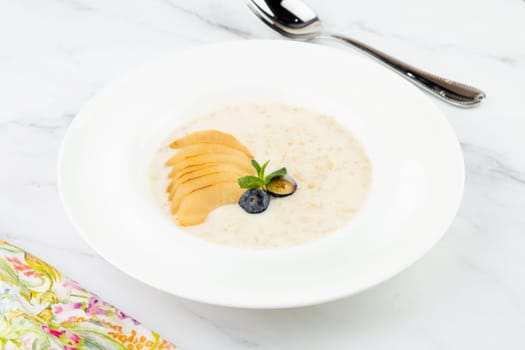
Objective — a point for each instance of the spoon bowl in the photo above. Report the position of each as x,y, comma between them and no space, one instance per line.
291,18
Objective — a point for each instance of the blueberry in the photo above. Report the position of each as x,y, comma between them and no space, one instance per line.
282,186
254,201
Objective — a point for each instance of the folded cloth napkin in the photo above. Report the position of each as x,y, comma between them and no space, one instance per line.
42,309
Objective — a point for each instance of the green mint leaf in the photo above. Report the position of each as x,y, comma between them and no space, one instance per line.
263,169
250,182
256,166
278,173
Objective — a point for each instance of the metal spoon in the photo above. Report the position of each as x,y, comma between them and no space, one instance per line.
294,19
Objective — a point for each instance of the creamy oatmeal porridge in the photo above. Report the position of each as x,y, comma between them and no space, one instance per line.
331,169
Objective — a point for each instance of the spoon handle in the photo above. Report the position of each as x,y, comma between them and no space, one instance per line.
450,91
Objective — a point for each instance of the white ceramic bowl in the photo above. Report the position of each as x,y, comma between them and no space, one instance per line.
417,163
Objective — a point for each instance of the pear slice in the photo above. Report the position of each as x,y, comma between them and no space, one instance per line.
191,172
211,136
195,207
198,183
241,163
204,170
203,148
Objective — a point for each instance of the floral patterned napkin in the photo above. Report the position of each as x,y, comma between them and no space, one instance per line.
42,309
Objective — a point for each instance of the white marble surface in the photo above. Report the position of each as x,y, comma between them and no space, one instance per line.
467,293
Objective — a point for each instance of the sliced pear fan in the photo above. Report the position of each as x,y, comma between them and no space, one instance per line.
204,174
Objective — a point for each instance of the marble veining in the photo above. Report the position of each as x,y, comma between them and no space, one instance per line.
466,293
239,32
